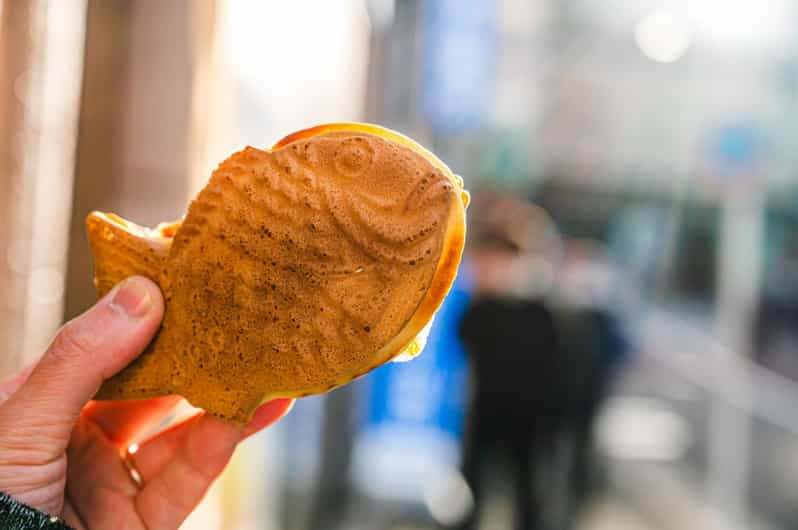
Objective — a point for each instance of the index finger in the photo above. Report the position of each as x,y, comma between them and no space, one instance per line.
179,464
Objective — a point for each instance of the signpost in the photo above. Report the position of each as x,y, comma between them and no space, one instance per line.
735,157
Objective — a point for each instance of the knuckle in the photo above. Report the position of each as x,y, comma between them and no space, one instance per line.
72,342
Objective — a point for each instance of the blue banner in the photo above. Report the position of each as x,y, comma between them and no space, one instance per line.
413,412
459,57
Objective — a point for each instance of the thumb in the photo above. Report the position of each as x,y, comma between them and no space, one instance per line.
86,351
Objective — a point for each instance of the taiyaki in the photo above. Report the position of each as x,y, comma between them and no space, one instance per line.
294,271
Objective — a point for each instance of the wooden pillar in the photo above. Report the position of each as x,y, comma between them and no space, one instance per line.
135,142
15,47
41,57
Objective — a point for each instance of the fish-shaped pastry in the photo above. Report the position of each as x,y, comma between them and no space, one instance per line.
294,271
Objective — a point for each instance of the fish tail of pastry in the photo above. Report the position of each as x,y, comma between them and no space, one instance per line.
122,249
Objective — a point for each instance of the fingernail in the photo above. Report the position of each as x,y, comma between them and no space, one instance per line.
132,298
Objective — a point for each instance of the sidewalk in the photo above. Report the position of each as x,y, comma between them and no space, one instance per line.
610,514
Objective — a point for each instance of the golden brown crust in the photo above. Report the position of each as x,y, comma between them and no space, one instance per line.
295,271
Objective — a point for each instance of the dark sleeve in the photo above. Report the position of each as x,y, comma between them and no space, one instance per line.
17,516
474,326
465,329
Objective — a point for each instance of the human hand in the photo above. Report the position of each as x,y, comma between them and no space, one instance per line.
60,451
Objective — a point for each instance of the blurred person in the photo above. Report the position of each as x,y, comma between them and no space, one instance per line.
510,338
591,348
67,460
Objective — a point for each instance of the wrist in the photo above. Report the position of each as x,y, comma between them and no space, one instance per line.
17,516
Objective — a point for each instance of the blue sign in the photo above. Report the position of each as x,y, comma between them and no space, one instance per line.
736,149
413,412
429,389
459,57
